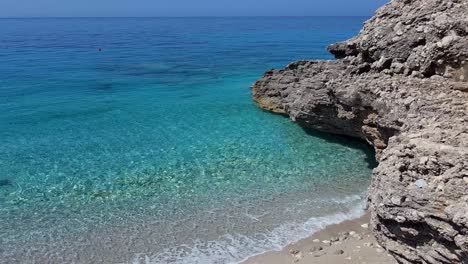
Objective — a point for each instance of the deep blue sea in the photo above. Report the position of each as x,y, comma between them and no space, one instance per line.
135,140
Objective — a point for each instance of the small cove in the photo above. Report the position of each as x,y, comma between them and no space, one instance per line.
154,147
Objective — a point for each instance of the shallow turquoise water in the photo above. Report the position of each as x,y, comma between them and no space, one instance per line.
151,150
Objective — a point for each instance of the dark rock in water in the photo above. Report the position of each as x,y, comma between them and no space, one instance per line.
5,182
103,86
187,96
401,85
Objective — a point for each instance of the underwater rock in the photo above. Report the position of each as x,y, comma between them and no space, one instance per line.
5,182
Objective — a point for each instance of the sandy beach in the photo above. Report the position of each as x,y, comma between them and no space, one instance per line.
347,242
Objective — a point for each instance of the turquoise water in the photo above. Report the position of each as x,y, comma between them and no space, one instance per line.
150,150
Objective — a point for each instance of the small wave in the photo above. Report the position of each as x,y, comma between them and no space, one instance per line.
238,248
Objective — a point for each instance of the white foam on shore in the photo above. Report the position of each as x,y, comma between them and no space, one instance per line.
238,248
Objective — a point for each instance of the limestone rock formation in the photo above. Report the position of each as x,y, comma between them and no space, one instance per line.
401,85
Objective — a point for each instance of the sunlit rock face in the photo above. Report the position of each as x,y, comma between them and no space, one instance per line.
401,85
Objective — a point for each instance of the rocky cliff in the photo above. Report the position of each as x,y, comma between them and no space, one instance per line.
401,85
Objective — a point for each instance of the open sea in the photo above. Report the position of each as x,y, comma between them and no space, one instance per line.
135,140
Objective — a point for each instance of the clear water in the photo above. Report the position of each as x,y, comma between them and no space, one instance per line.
152,151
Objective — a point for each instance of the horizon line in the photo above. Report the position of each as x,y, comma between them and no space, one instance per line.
234,16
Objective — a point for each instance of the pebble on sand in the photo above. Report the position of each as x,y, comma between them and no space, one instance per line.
338,252
294,251
316,248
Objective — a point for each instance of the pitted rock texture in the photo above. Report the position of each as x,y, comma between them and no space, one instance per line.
413,37
410,101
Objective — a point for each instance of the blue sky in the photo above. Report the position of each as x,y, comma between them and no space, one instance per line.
135,8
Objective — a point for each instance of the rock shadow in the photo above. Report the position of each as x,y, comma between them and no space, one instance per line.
350,142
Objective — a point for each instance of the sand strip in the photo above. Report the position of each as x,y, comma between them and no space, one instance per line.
347,242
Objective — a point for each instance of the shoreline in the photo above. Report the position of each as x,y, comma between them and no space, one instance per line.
350,241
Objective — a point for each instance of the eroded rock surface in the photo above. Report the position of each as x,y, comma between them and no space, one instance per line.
401,84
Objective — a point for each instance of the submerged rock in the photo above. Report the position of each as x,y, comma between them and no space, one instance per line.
5,182
401,85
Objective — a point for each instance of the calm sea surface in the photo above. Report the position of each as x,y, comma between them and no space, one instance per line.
136,140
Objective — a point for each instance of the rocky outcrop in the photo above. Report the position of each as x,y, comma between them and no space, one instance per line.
401,85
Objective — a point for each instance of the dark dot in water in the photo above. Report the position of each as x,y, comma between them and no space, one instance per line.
5,182
189,96
103,86
143,72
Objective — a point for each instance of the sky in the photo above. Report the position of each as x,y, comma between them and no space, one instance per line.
158,8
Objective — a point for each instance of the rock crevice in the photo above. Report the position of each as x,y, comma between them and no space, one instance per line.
401,85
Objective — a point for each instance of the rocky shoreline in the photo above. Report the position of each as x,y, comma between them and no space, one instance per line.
401,85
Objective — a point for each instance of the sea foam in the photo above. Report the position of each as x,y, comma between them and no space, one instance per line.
234,248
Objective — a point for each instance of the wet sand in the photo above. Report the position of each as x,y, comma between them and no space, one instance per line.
347,242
